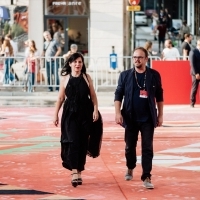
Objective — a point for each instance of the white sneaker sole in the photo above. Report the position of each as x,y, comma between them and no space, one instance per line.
148,187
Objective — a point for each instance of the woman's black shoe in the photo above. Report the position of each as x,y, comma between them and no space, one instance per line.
80,181
74,182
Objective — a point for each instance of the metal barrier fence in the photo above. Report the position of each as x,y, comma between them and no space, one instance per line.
18,72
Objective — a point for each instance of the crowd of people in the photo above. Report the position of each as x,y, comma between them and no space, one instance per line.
163,28
53,48
169,51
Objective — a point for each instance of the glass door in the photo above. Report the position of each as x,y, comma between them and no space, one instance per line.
78,33
67,31
57,26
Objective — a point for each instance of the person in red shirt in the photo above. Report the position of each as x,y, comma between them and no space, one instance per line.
31,68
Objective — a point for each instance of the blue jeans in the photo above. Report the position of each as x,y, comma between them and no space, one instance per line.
52,69
30,81
8,76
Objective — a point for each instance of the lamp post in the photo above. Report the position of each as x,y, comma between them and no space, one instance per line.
133,3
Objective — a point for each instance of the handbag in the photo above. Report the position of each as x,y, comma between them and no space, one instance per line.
95,138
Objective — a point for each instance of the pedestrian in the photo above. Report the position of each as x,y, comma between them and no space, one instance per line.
73,49
162,28
194,59
139,88
56,33
186,46
185,29
13,44
148,46
162,15
170,52
79,117
7,52
155,20
31,63
51,51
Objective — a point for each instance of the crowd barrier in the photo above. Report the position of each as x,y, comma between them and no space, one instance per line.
176,81
175,75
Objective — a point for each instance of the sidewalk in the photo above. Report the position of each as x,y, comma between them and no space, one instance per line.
43,98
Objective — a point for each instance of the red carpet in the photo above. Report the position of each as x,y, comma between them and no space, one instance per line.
30,164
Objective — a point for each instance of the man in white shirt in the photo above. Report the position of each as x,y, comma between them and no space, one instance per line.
13,44
170,52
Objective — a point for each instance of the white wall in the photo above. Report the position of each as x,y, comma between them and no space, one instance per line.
36,23
106,29
16,2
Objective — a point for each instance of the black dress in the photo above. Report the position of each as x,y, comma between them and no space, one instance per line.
80,136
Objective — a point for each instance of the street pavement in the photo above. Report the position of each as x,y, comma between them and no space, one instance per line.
31,168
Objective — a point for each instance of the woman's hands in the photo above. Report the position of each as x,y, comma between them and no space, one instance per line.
56,120
95,115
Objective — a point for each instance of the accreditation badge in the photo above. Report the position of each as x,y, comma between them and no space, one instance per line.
143,94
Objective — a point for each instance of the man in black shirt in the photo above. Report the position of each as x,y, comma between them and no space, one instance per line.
139,87
186,47
194,58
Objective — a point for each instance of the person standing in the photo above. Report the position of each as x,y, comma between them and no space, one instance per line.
139,88
31,63
170,52
56,33
185,46
31,46
194,58
80,114
73,49
148,46
185,29
7,52
51,51
162,28
154,24
13,44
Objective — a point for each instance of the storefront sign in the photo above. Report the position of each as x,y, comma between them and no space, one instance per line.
133,8
66,7
70,3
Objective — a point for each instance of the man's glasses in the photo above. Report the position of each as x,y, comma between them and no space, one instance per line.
137,57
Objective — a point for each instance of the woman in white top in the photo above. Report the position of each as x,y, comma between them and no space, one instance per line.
7,51
154,24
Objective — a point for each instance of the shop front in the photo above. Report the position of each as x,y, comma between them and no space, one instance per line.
69,21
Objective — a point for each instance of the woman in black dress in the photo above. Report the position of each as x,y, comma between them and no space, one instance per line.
80,117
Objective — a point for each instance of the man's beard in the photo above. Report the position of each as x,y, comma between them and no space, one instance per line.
138,66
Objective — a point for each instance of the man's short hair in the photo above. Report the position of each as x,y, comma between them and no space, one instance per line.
74,46
142,49
187,35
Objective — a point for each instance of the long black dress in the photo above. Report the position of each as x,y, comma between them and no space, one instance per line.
80,136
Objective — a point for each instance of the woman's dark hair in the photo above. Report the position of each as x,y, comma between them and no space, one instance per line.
67,69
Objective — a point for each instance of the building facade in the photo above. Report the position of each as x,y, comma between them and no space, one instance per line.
95,26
